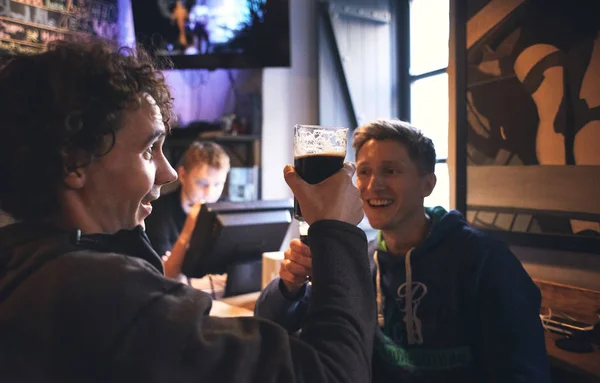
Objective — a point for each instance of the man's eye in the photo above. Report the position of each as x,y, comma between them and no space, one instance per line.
149,153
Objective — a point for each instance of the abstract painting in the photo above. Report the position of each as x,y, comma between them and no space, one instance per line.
533,119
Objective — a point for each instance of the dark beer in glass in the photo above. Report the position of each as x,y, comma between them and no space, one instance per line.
314,168
319,152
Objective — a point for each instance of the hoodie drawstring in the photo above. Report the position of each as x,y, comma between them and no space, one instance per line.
408,299
378,295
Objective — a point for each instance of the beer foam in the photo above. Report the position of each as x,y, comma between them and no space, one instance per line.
313,141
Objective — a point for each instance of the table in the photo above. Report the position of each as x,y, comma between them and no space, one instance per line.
223,309
584,365
247,301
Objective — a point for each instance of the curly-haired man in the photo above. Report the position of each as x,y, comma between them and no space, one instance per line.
82,293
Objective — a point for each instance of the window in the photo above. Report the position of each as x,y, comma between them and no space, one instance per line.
429,35
428,38
429,110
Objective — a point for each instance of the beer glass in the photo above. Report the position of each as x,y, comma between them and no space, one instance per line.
319,152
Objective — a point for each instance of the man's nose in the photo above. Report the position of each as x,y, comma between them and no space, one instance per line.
208,189
377,182
165,173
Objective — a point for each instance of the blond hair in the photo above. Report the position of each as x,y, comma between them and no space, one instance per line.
205,153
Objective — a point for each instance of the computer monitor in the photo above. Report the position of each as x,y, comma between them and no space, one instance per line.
230,237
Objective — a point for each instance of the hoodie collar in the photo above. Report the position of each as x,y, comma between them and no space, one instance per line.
441,222
133,242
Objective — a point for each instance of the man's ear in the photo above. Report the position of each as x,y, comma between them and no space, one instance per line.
75,179
427,184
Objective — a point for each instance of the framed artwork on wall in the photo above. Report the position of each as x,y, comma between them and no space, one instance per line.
528,113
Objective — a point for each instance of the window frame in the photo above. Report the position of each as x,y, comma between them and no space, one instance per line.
412,80
403,62
404,78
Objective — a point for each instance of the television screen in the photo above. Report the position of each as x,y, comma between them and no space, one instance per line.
215,33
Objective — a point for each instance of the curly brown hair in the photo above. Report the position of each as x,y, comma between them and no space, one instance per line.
56,110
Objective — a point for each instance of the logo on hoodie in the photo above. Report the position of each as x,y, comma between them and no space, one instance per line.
409,298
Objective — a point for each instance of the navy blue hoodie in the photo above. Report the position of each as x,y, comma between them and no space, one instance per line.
458,307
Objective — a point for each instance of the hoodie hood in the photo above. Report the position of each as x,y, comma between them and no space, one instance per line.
24,247
443,223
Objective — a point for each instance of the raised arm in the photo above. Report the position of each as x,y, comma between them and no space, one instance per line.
286,310
174,261
172,338
285,299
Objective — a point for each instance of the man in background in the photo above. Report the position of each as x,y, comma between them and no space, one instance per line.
202,175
